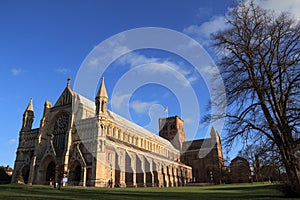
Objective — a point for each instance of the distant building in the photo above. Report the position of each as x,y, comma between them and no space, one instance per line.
88,145
269,172
240,170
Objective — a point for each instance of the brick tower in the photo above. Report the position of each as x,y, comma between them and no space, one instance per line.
172,129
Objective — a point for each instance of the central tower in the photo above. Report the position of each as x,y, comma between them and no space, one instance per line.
172,129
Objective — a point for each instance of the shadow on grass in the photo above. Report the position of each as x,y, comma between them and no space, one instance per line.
244,186
14,191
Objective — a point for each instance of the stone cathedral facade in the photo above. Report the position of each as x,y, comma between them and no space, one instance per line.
83,143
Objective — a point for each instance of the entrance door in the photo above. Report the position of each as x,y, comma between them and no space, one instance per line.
50,173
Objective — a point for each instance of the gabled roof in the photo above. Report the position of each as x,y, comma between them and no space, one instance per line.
192,145
202,143
65,97
85,101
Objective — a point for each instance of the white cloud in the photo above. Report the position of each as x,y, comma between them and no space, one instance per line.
116,50
94,61
12,141
202,32
119,101
210,69
292,6
107,52
62,70
141,107
16,72
135,59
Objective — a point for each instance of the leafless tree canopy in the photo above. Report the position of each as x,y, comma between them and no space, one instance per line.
265,161
259,62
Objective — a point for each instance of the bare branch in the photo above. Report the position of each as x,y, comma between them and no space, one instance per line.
261,73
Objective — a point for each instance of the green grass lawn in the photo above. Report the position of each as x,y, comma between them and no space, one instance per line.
233,191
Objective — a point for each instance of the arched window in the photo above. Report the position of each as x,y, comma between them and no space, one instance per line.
59,133
102,106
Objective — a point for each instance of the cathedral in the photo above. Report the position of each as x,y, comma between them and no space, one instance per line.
82,143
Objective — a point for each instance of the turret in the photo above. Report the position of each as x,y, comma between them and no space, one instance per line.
47,107
101,99
215,135
28,117
216,141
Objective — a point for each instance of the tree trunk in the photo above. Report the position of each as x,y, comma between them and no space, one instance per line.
291,164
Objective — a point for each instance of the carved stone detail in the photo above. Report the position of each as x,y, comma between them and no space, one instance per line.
59,133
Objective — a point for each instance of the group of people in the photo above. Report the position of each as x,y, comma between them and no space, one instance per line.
110,184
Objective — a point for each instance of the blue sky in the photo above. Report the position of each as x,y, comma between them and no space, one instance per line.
44,42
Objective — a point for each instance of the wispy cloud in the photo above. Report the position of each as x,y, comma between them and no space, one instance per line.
141,107
16,72
135,59
291,6
121,104
62,70
107,52
12,141
202,32
117,50
120,100
210,69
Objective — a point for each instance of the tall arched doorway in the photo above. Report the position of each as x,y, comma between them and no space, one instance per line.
50,172
46,170
25,173
75,173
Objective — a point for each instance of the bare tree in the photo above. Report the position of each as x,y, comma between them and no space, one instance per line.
260,54
263,159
